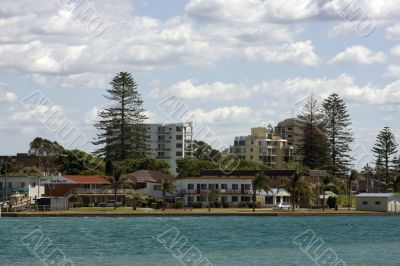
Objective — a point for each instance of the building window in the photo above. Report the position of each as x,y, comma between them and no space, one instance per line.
9,185
251,157
179,129
224,199
190,186
157,187
179,137
365,202
178,153
247,186
1,185
289,128
245,198
289,136
212,186
179,145
203,186
251,149
235,198
377,203
224,186
235,187
269,200
190,199
22,184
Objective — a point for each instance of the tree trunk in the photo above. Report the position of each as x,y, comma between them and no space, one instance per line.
115,197
254,199
163,201
293,192
323,199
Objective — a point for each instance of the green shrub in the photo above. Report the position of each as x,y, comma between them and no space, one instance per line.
225,205
197,204
77,204
178,205
243,204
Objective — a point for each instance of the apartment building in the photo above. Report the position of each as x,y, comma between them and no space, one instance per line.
170,142
264,146
292,130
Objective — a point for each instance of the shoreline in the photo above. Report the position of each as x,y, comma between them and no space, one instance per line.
190,213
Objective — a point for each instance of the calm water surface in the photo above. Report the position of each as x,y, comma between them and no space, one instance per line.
221,240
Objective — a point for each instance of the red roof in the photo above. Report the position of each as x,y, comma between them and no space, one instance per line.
88,179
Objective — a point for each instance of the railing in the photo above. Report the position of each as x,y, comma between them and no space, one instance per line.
100,191
221,191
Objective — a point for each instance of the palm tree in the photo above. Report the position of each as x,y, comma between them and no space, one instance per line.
117,181
167,186
354,175
259,182
299,172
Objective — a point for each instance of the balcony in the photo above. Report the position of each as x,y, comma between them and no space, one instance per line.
99,191
221,191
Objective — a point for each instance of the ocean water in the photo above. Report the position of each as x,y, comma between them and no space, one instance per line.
344,240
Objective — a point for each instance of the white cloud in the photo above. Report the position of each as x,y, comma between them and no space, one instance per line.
393,32
299,53
91,115
392,71
222,115
6,96
395,50
190,89
357,54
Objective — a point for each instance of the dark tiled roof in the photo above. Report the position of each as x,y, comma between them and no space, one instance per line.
148,176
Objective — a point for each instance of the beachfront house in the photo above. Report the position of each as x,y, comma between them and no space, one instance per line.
149,183
273,197
382,202
231,190
88,190
31,187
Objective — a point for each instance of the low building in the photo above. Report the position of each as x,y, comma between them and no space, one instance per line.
381,202
231,189
88,190
28,186
149,182
273,197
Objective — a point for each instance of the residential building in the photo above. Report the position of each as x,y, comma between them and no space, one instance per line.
149,183
27,186
264,146
232,189
273,197
88,190
170,142
292,130
382,202
233,186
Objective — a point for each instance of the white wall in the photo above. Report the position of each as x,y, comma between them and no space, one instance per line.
369,204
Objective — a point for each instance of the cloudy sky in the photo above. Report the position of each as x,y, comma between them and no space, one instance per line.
234,64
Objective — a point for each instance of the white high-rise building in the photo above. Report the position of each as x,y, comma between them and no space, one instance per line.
169,142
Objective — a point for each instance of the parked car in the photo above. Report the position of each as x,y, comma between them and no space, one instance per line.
282,206
110,203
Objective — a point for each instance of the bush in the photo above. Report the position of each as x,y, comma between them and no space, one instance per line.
225,205
197,204
331,202
243,204
178,205
217,204
257,204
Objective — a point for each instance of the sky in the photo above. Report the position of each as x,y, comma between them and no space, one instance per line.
232,64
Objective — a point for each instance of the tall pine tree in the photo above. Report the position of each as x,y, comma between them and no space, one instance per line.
315,147
384,149
339,133
121,122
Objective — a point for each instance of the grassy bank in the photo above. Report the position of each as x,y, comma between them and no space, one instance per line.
98,211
